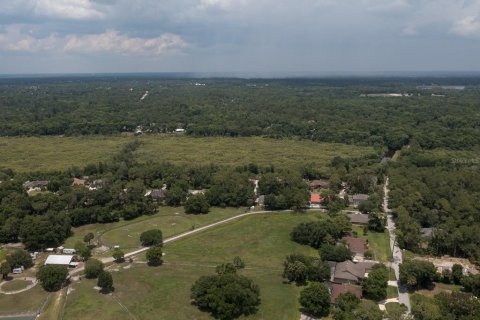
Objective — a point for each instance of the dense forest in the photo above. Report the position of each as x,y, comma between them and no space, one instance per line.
327,110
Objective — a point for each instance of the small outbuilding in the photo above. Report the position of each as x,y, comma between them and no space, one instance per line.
62,260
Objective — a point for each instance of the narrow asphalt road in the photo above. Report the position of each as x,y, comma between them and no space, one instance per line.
403,296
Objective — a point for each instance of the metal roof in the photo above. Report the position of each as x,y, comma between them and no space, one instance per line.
59,259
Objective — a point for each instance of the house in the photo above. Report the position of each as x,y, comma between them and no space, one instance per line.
319,184
350,272
78,182
315,200
358,218
157,194
37,185
356,199
179,130
357,246
68,251
62,260
338,289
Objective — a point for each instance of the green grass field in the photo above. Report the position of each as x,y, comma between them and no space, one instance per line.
15,284
164,292
392,292
3,254
57,153
169,220
379,243
26,302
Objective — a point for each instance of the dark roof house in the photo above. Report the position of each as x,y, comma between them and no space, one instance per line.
358,218
350,272
356,245
319,184
157,194
42,184
337,289
356,199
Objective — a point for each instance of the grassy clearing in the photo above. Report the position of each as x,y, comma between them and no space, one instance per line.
58,153
15,284
84,302
285,153
378,242
439,287
25,154
26,302
164,292
170,221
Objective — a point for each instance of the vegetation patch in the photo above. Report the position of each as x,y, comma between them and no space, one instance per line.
15,285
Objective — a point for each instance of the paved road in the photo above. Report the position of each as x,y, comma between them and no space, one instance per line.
403,296
180,236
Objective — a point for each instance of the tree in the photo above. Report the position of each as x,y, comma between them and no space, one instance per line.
20,258
471,283
344,306
197,204
376,221
118,255
105,281
367,310
93,268
457,273
151,238
238,263
88,237
154,256
226,296
338,253
458,305
315,299
52,277
226,268
5,269
417,273
83,251
296,271
175,196
374,287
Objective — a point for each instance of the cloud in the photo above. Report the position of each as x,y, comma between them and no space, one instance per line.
111,42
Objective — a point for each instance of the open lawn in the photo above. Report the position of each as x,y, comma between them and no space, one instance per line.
58,153
3,254
378,242
170,220
26,302
395,310
164,292
15,285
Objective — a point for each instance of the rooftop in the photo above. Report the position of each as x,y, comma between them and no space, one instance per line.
59,259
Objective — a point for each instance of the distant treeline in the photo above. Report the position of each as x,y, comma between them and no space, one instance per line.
326,110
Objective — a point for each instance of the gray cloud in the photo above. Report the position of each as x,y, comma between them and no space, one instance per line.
240,35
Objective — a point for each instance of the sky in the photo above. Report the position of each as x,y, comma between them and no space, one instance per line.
243,36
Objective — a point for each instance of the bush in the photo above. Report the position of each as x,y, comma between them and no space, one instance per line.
315,299
105,281
226,296
375,286
197,204
52,277
154,256
299,268
93,268
337,253
118,255
417,274
151,238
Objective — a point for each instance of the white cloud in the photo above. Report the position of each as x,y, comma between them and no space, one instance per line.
69,9
111,42
467,27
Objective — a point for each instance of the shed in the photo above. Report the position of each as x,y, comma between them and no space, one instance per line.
63,260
